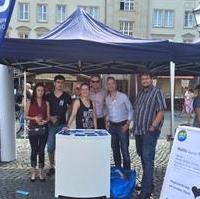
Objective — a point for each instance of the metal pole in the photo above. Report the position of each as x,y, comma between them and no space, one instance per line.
25,99
129,85
136,85
172,84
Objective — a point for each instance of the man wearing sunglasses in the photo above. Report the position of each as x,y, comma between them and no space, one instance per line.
97,95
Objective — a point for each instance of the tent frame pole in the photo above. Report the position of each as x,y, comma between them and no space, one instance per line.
172,88
136,84
25,100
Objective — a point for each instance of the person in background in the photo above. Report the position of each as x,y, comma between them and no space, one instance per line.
149,110
21,104
118,118
97,95
76,94
60,107
37,112
188,103
196,107
29,90
83,110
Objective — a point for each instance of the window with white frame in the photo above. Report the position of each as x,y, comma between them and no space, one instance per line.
168,18
126,27
127,5
42,13
188,19
163,18
23,12
157,18
60,13
93,11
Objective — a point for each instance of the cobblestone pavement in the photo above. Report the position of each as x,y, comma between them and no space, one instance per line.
15,175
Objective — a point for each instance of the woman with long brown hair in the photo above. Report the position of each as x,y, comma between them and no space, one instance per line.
83,110
37,112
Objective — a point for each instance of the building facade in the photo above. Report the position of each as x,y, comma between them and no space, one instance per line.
157,19
172,20
31,19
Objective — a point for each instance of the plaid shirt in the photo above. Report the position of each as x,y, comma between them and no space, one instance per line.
147,104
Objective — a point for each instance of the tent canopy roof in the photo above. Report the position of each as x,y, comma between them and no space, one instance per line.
81,26
83,45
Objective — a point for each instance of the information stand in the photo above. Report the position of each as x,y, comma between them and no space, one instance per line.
83,163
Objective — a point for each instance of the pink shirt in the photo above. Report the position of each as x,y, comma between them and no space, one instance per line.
99,101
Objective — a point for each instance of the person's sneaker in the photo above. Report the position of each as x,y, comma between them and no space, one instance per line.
139,188
51,172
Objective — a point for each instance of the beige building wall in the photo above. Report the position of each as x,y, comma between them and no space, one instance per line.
109,12
35,28
178,31
138,15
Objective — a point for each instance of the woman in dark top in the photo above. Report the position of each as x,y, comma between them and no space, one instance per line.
83,110
37,112
196,108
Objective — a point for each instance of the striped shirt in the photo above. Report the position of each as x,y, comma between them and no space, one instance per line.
147,104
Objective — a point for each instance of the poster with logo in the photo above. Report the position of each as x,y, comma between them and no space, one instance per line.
6,9
182,178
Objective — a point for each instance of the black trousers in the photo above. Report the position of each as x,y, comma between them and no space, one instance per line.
38,143
101,123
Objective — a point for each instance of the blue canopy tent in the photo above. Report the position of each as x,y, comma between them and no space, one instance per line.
83,45
187,59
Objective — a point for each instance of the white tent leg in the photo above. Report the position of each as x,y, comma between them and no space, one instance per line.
172,87
25,99
7,115
136,85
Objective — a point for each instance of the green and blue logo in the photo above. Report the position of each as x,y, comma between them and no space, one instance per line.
182,135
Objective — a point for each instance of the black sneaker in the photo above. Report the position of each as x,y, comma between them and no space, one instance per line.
139,188
51,172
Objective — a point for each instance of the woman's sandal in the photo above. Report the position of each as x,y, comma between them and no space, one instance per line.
33,177
41,176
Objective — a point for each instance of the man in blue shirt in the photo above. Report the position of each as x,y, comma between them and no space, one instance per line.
119,116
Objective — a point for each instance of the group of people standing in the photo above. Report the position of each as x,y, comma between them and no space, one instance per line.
96,108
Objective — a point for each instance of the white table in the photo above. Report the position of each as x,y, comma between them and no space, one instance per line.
83,164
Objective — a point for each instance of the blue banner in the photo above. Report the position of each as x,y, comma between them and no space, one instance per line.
6,9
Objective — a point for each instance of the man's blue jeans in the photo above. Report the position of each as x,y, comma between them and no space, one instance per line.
120,144
146,147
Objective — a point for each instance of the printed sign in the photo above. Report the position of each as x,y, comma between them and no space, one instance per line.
182,178
6,8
